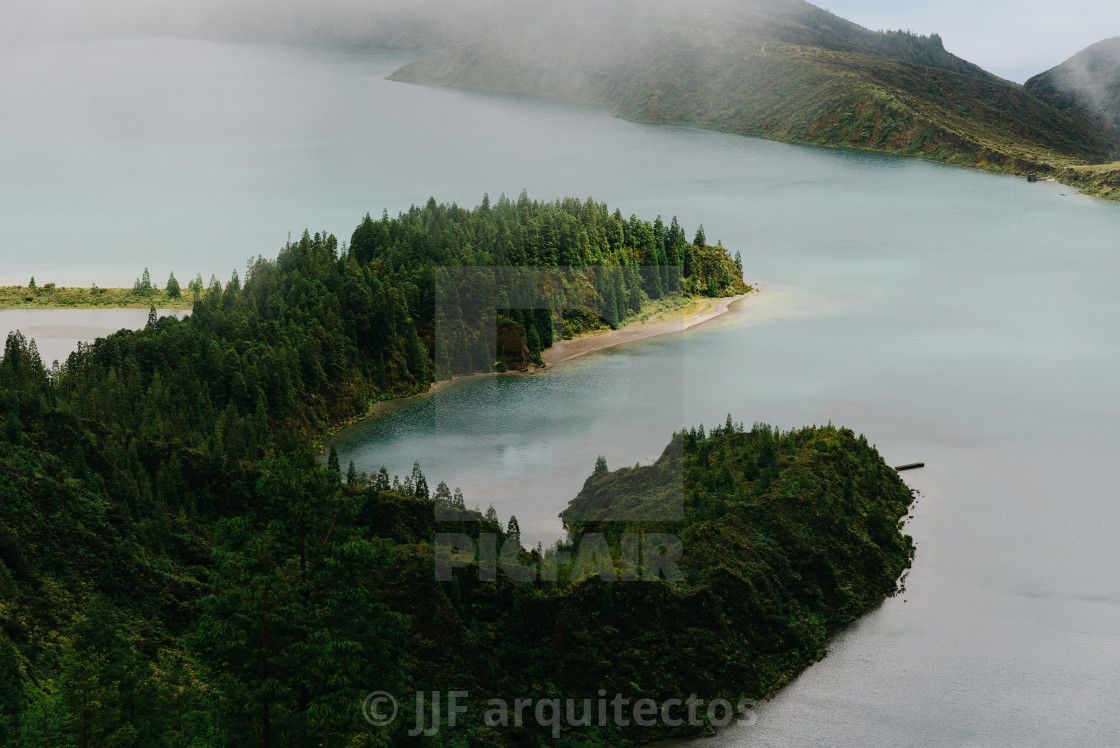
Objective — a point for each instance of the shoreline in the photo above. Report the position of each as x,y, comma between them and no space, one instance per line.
567,350
655,327
58,331
634,332
1053,173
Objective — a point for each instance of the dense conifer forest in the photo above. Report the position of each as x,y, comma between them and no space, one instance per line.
177,568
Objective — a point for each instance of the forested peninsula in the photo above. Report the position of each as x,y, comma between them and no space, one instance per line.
176,567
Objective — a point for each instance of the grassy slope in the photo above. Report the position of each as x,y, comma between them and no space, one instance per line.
1101,180
55,298
789,72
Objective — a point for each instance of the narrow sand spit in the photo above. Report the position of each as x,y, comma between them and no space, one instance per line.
666,323
566,350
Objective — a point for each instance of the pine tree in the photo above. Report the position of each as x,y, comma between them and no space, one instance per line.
457,499
143,284
419,483
32,283
601,464
700,240
99,681
513,529
443,494
195,286
294,634
173,290
13,699
351,474
13,428
332,461
92,703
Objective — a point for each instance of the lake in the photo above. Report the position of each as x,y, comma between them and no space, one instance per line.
964,319
57,332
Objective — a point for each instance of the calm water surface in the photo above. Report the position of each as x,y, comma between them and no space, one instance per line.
57,332
965,319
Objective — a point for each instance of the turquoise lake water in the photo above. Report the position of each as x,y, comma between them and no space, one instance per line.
965,319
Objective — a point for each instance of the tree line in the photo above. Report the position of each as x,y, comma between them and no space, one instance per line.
175,567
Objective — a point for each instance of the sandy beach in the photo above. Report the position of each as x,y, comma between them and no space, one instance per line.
666,323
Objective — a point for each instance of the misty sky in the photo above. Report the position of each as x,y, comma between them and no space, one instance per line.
1012,38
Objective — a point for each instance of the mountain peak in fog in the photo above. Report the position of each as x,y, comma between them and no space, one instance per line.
1087,83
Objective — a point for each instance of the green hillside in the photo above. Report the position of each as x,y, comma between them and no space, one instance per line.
786,537
1102,180
1087,83
780,69
159,492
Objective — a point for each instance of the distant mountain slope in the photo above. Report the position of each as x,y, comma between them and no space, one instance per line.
1087,83
782,69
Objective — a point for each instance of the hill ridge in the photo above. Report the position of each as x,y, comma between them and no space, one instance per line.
781,69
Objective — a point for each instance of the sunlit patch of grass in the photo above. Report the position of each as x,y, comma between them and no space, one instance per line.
49,296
